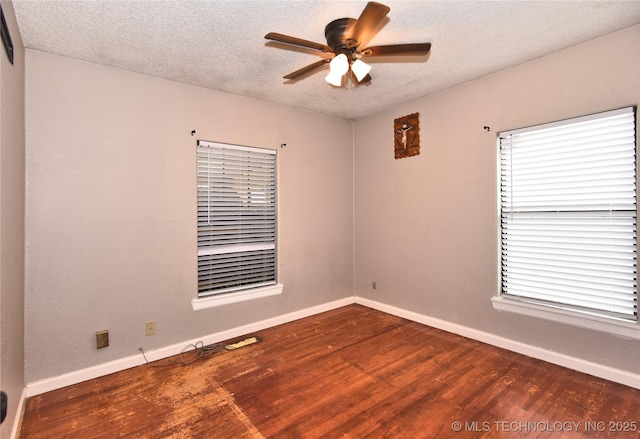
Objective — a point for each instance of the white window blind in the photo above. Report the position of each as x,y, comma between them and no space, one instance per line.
568,214
236,218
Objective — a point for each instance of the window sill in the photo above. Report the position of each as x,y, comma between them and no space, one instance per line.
619,328
239,296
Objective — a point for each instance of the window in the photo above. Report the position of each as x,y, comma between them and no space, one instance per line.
568,215
236,218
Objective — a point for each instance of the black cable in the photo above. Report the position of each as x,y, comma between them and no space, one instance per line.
200,350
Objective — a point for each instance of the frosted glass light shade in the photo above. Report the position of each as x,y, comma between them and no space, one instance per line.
334,78
360,69
339,64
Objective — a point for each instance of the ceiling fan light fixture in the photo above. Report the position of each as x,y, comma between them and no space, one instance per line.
339,65
334,78
360,69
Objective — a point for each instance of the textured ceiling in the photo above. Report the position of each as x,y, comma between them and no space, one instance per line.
220,44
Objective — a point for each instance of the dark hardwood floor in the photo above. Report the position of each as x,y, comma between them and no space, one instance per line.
348,373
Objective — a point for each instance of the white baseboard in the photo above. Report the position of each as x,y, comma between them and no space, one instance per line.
598,370
17,421
48,384
609,373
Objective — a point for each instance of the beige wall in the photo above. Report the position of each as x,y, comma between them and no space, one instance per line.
11,222
427,227
111,202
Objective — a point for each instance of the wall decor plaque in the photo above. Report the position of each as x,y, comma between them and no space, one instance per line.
406,136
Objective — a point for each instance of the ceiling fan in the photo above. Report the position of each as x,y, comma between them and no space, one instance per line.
344,37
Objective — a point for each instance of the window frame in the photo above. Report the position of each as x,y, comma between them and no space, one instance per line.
215,244
554,312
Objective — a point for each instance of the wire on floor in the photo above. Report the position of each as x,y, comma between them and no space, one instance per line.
188,354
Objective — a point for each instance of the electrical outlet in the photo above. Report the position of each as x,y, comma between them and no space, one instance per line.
150,328
374,285
102,339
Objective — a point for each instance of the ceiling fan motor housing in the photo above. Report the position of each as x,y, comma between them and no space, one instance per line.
335,31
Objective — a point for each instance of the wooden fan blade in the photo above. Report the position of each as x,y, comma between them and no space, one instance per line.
365,26
296,41
308,68
397,49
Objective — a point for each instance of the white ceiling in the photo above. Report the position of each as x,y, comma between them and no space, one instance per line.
220,44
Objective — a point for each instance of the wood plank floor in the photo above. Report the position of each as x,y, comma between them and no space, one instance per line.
348,373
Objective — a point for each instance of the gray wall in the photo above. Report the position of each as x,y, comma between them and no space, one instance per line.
110,203
111,209
427,226
12,190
